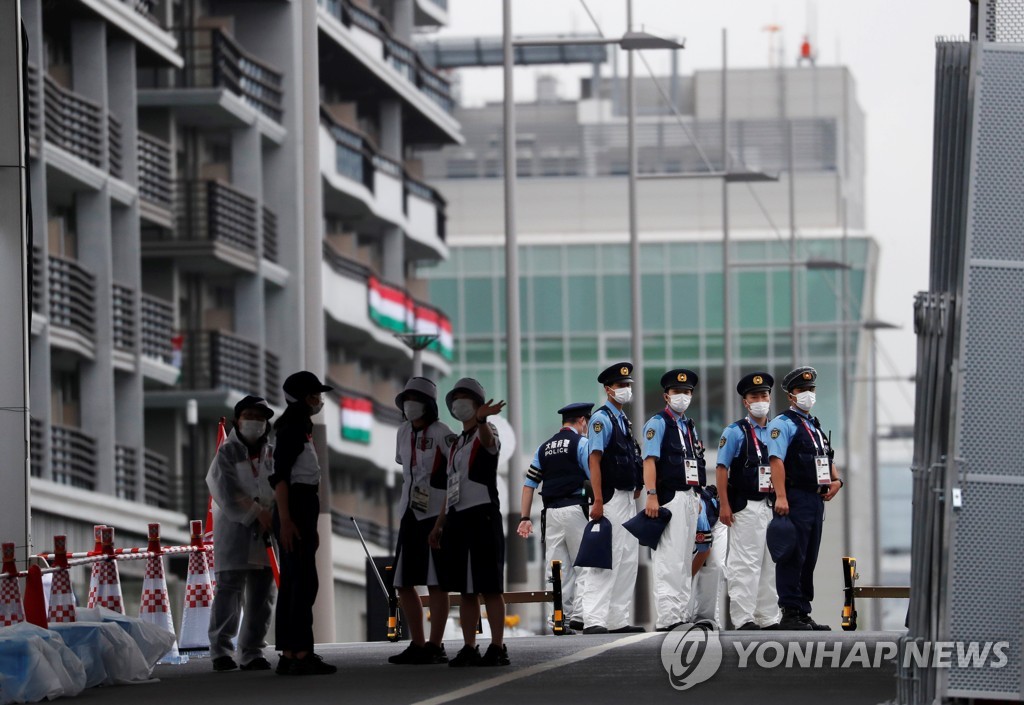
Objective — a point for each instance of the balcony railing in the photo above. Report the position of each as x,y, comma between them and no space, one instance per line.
34,115
74,457
37,279
35,443
443,4
114,146
272,364
215,212
218,61
124,317
218,360
126,470
72,297
415,187
341,525
73,122
400,55
146,7
269,235
157,328
157,480
155,184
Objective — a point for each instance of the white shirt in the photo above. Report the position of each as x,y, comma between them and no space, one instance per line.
423,455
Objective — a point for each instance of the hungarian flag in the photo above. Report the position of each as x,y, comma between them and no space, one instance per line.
390,307
356,419
432,322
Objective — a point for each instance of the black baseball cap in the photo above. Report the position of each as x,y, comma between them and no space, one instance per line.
301,384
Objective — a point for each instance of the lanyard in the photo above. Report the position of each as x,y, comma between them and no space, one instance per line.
412,443
255,469
757,445
687,441
819,445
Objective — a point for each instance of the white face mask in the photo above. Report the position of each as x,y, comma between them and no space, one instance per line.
463,409
252,429
679,403
314,410
759,409
623,395
413,410
805,400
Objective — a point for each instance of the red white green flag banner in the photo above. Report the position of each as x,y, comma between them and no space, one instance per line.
390,307
432,322
356,419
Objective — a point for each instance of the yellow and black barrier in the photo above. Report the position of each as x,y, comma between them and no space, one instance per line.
851,592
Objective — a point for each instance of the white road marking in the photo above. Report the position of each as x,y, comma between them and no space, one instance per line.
581,655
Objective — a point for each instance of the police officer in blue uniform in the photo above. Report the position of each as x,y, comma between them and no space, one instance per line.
561,469
804,478
744,469
615,473
674,473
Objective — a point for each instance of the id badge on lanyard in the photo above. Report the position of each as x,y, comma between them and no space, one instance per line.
821,464
689,464
420,498
453,489
764,472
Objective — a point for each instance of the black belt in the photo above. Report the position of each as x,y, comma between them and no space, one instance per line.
559,502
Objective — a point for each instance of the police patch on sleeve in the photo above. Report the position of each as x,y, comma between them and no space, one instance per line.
721,442
598,427
775,433
650,433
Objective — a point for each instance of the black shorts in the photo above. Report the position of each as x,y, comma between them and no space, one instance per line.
415,562
473,551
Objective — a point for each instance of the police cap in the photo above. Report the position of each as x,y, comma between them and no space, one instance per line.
679,379
800,377
619,372
576,410
755,382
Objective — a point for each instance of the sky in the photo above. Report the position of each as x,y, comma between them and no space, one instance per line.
889,46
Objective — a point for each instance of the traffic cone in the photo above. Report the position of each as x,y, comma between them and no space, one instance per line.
155,607
97,535
35,602
195,616
10,594
105,583
62,599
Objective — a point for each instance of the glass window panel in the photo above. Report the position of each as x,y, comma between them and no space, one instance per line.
548,350
444,295
615,312
614,258
822,293
547,304
782,349
616,349
753,347
713,301
685,349
479,351
749,251
682,256
543,260
711,256
652,302
583,384
479,305
752,302
583,303
685,298
654,351
780,318
581,258
822,343
652,257
713,347
476,260
583,349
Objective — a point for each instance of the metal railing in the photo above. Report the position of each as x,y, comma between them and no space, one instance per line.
74,457
157,323
215,212
37,279
34,114
272,365
146,7
443,4
219,360
124,317
269,235
114,147
155,178
404,58
72,296
126,469
157,478
341,525
218,61
36,431
73,122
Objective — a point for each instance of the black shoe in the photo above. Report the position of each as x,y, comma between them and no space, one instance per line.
257,664
495,656
468,656
435,653
311,665
628,629
596,630
793,621
284,666
224,663
576,625
669,627
414,654
814,625
750,627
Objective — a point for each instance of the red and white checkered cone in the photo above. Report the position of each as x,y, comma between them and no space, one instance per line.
195,616
105,582
155,606
11,611
62,599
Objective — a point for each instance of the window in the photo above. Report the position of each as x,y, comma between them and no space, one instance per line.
616,303
547,304
62,235
478,302
583,304
65,398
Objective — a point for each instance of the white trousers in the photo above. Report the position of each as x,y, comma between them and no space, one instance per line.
673,560
750,571
608,594
709,582
562,534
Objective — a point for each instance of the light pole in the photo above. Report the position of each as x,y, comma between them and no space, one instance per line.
417,342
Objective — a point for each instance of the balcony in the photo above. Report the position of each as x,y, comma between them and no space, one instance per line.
124,317
37,279
34,114
36,431
218,61
220,360
272,365
157,329
125,472
157,480
74,457
72,303
373,532
116,167
155,179
269,235
73,123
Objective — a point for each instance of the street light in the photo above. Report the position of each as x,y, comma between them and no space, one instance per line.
417,342
630,41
